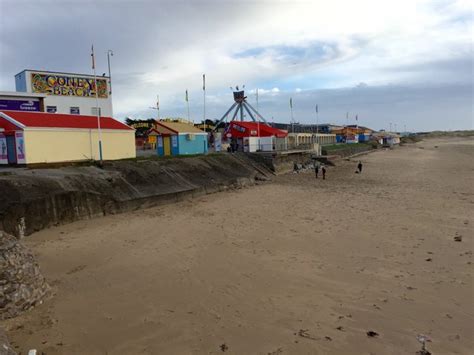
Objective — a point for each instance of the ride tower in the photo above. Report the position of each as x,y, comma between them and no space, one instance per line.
239,106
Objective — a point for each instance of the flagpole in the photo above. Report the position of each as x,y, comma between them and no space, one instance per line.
257,100
187,103
204,99
317,120
158,105
97,106
258,122
347,125
356,133
292,120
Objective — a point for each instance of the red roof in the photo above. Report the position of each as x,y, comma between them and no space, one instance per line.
57,120
239,129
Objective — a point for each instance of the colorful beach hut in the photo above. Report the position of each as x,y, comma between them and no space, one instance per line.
40,137
178,138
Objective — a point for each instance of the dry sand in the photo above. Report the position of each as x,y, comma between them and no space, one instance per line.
295,266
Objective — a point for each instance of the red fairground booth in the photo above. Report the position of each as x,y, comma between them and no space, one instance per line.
249,136
254,136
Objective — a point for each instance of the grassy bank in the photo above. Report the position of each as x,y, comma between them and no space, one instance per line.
344,150
344,146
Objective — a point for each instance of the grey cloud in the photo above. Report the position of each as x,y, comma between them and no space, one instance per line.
458,69
418,107
146,37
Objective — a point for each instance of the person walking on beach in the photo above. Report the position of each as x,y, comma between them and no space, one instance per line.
316,169
296,168
359,167
323,170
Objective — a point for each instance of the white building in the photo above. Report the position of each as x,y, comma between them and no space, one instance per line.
67,92
21,101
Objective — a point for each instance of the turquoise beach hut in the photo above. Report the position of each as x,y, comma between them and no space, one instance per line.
179,138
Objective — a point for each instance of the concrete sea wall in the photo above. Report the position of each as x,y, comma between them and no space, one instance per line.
34,199
282,163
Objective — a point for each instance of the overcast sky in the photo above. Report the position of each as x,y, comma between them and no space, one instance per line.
407,62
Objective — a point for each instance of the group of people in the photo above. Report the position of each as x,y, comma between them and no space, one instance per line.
317,167
322,167
323,170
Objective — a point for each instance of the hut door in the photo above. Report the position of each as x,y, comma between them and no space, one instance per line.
167,145
11,150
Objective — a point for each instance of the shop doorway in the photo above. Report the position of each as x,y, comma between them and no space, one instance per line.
11,150
166,145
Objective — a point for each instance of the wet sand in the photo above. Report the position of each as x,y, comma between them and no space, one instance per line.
295,266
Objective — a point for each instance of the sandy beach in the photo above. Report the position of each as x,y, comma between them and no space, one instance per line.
292,266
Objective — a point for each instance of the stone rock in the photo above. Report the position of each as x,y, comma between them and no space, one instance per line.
5,347
22,286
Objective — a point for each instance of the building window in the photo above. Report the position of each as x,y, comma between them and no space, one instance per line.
74,110
94,111
51,109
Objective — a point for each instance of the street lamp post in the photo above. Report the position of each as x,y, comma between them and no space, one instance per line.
110,53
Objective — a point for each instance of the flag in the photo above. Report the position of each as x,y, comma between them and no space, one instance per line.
93,58
186,98
291,102
157,102
316,108
357,118
204,82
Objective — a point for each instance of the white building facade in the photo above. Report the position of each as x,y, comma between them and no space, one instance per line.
68,93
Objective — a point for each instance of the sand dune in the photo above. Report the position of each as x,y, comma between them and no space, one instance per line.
294,266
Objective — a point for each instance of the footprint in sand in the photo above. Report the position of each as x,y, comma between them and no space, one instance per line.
76,269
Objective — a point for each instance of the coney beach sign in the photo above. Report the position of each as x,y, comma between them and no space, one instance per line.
65,85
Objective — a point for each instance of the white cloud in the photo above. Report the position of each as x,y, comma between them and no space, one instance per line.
164,46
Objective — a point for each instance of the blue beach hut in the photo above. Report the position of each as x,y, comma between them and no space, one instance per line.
179,138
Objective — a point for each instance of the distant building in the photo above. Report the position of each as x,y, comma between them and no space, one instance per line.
361,129
300,139
305,128
346,135
207,126
387,139
362,132
66,93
